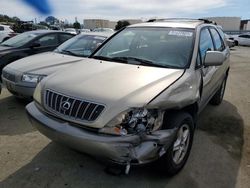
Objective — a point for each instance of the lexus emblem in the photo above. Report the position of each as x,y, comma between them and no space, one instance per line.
65,105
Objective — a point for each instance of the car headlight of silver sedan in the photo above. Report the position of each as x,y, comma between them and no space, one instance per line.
32,78
134,121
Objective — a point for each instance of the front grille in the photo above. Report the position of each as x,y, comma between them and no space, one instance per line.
9,76
72,108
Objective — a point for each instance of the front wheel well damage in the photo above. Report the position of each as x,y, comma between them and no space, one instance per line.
190,109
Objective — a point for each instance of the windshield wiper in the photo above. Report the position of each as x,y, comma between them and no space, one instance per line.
69,52
103,58
141,61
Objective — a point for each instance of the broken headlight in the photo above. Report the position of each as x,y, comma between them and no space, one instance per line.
133,121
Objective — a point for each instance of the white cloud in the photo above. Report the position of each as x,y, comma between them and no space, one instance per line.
114,9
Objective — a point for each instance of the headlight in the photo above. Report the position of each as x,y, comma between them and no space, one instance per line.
32,78
135,120
37,94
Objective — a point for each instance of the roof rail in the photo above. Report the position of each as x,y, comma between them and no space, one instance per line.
183,19
207,21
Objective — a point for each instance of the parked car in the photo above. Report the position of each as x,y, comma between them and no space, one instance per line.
137,98
85,30
103,30
22,76
71,30
5,33
29,43
242,40
230,41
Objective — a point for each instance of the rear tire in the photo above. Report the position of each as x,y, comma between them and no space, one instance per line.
177,154
218,96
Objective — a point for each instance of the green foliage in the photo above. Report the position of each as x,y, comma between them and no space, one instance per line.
121,24
7,19
77,25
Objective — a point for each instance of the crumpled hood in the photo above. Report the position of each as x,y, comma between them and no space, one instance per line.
118,86
44,63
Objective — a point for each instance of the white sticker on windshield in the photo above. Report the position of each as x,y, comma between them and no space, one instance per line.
99,37
181,33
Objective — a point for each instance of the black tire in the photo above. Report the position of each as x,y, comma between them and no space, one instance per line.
166,163
236,43
218,96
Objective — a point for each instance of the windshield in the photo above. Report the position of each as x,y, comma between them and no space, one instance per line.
19,40
165,47
81,45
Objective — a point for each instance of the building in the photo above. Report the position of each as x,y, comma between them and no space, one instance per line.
245,25
100,23
227,23
95,23
112,24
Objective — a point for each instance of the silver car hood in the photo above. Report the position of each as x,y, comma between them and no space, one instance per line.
44,63
116,85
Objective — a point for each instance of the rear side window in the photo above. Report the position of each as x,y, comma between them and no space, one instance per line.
218,43
64,37
206,43
1,28
244,36
48,40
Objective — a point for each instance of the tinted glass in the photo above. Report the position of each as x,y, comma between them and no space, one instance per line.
64,37
244,36
206,43
1,28
81,45
20,39
219,45
48,40
168,47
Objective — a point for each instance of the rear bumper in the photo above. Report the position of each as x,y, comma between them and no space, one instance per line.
119,149
18,90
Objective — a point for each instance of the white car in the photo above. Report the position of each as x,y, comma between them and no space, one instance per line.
230,42
5,32
71,30
242,39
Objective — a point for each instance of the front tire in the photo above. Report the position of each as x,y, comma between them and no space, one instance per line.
177,154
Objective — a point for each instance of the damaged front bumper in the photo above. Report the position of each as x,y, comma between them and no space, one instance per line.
134,149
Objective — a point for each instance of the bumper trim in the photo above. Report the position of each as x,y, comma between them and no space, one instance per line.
118,149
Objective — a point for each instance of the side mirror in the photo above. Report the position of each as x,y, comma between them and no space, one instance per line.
214,58
35,45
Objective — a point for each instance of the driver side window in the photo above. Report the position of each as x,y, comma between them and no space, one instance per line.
206,43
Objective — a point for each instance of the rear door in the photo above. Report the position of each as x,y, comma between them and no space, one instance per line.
219,45
244,40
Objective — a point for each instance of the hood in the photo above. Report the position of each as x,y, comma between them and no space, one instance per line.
44,63
118,86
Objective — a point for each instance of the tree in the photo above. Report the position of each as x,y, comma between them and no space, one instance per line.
77,25
121,24
51,20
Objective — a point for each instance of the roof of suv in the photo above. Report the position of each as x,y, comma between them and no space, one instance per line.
180,23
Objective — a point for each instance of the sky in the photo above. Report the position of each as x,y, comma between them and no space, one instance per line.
128,9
